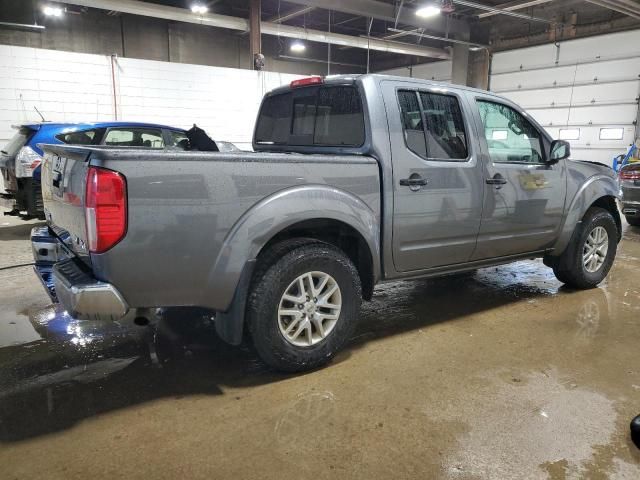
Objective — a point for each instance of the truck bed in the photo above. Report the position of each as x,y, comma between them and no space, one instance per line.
187,210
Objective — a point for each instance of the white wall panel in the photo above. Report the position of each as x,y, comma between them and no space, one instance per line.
74,87
439,71
601,47
581,95
524,57
585,84
590,73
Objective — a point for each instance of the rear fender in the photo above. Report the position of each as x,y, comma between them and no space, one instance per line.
594,188
274,214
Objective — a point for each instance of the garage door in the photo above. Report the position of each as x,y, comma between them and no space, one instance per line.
584,91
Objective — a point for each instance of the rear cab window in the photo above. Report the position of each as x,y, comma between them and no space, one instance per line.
328,116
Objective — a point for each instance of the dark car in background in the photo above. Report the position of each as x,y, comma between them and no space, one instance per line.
630,184
20,159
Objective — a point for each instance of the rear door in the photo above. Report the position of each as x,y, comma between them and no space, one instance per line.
437,181
524,198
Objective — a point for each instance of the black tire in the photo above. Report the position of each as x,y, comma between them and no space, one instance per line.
569,268
633,221
277,269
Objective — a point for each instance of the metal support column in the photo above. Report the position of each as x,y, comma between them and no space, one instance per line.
255,43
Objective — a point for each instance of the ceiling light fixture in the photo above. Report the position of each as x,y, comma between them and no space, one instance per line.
198,8
298,47
429,11
52,11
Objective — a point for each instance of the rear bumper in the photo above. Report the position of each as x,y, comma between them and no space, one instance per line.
68,282
631,208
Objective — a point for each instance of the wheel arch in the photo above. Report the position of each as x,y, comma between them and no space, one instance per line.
341,235
598,191
320,212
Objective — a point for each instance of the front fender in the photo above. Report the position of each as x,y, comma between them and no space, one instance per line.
272,215
594,188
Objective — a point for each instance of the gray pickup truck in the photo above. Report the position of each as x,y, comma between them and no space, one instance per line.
354,180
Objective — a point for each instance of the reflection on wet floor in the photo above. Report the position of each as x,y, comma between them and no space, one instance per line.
502,373
81,368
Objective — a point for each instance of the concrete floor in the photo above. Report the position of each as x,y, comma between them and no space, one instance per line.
501,375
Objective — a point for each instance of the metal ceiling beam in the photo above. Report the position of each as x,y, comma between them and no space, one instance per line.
389,12
416,33
620,6
23,25
290,15
136,7
499,11
512,6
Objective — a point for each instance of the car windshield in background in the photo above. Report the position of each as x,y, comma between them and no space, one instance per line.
323,116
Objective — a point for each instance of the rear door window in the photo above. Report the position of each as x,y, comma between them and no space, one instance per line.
433,125
322,116
134,137
84,137
178,140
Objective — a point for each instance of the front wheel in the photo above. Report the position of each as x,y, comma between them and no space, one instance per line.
303,305
590,254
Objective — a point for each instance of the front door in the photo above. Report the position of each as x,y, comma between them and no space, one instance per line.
437,180
524,199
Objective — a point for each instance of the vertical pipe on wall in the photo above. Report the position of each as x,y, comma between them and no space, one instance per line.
329,49
113,82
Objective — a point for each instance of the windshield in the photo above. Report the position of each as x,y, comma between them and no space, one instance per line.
17,142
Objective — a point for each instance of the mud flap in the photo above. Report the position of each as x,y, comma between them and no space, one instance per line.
230,324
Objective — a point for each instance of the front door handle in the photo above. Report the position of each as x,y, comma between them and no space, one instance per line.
415,182
497,180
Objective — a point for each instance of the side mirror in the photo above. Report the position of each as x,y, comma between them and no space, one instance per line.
560,150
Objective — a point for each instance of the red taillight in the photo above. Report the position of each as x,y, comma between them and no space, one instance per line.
303,82
105,209
630,174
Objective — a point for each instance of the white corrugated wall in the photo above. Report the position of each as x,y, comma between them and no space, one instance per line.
584,90
76,87
439,71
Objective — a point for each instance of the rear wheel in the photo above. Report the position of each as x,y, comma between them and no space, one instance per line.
303,305
633,221
591,252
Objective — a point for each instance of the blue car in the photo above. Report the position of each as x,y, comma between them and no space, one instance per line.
20,159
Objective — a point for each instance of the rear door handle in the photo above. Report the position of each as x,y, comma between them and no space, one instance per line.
497,180
414,182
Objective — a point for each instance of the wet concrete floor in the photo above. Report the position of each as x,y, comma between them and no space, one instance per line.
504,374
